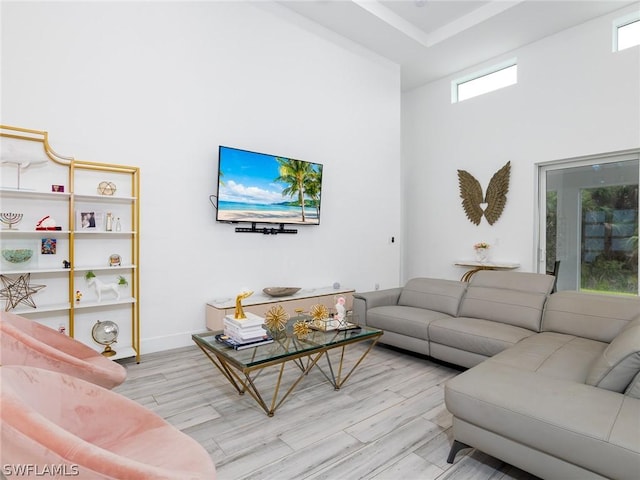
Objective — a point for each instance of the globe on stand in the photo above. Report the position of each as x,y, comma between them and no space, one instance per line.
105,333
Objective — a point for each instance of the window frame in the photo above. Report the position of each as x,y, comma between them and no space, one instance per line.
619,23
484,72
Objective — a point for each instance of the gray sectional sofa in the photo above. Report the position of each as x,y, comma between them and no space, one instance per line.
554,380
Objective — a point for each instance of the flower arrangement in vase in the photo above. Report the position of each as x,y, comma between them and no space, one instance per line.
482,251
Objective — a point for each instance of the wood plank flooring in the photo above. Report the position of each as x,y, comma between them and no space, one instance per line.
387,422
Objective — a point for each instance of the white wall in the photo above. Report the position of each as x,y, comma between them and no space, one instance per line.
574,97
161,85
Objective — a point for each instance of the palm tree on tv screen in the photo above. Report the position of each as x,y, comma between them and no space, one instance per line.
295,173
312,187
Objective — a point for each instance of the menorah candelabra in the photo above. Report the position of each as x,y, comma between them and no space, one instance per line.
10,219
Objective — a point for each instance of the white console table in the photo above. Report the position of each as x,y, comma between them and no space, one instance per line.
259,303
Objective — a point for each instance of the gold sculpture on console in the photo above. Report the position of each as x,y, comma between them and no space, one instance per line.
239,313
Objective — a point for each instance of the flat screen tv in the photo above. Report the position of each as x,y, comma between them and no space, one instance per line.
261,188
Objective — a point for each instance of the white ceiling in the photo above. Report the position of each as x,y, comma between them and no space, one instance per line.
431,39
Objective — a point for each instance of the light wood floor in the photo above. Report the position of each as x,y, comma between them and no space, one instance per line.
387,422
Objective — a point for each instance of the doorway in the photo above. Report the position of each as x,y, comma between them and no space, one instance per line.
589,222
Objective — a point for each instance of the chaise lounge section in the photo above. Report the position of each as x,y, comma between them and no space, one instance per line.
555,380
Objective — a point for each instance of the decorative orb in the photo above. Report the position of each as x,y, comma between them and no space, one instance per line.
105,333
106,188
21,255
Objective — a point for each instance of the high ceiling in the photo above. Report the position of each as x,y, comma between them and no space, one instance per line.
431,39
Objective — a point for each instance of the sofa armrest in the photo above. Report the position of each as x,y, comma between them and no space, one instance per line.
377,298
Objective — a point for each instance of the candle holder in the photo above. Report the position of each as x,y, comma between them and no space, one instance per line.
10,219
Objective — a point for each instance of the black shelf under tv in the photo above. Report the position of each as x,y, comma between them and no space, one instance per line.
266,230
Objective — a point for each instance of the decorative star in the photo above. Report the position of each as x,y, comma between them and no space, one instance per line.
17,291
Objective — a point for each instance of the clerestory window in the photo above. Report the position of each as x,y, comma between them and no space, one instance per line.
484,81
626,32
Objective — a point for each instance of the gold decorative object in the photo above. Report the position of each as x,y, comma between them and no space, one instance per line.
276,319
239,313
106,188
319,312
301,328
493,203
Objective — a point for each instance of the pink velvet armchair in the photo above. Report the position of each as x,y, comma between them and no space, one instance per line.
56,421
25,342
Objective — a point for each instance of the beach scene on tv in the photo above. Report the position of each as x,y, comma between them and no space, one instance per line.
256,187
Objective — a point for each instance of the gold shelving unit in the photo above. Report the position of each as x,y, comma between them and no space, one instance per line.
85,249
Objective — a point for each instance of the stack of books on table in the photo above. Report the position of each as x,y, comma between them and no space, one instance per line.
244,333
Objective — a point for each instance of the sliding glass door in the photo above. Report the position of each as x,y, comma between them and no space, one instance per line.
588,210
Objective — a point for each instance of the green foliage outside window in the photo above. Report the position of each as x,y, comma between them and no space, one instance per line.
609,243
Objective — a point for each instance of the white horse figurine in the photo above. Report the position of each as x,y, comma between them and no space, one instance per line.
101,286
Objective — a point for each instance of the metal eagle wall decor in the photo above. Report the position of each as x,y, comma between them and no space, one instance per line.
492,204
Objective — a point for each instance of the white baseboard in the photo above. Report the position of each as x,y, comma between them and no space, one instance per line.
167,342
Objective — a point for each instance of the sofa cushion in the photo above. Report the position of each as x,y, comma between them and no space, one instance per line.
475,335
633,390
410,321
433,294
589,315
553,354
620,361
514,298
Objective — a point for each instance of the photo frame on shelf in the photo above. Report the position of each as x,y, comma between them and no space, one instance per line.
89,219
48,246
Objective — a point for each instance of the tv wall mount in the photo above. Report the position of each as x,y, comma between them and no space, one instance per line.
265,230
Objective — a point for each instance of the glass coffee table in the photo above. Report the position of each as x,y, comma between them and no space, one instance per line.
242,367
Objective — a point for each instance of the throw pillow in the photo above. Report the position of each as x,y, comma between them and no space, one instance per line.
619,362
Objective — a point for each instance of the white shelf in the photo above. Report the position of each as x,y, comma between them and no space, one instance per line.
34,233
94,303
33,194
41,309
102,268
103,198
33,270
103,232
122,351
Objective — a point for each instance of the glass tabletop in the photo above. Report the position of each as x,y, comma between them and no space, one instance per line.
286,345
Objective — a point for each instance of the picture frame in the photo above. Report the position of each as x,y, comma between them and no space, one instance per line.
48,246
89,219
